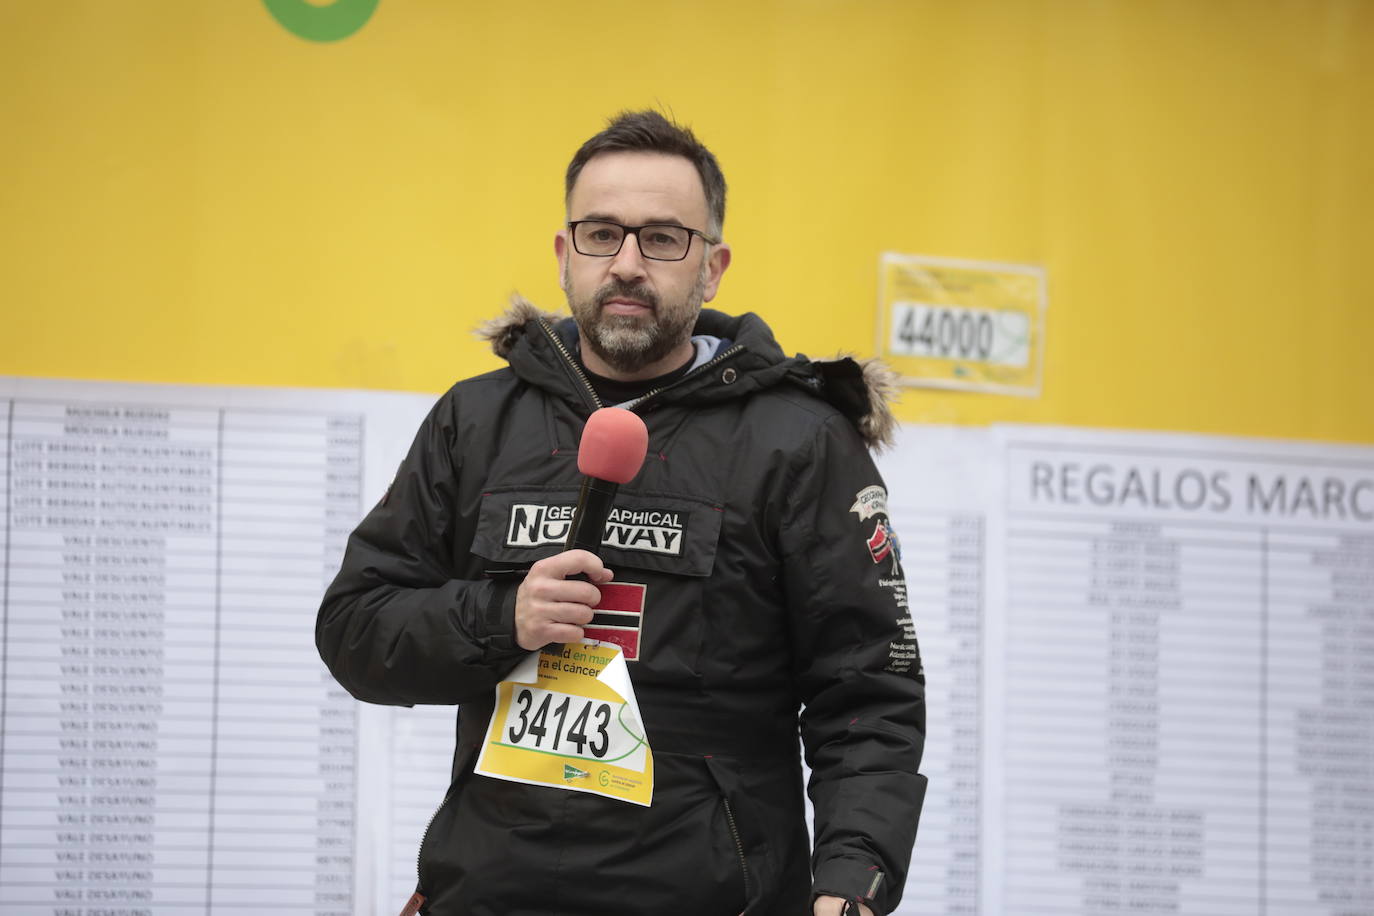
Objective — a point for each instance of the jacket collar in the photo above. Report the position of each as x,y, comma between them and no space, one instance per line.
539,346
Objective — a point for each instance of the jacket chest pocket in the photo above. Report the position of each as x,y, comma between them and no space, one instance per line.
662,546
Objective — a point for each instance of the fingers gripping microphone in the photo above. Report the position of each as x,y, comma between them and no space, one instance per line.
612,450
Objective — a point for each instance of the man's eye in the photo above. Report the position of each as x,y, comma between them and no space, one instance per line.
603,235
663,238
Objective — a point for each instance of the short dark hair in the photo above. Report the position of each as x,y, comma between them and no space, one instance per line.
650,132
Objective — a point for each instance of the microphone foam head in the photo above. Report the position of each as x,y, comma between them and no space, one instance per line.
613,445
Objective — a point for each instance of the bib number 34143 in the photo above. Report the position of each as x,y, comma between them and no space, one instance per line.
567,718
542,719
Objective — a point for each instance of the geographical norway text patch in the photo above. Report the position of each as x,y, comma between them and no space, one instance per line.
648,530
673,534
566,718
870,501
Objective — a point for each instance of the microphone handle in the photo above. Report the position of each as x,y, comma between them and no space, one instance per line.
589,518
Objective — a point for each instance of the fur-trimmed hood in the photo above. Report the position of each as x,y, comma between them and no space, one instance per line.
505,329
861,389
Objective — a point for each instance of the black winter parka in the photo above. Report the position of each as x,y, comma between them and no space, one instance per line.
780,609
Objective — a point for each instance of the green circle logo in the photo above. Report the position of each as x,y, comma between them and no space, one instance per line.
604,778
322,23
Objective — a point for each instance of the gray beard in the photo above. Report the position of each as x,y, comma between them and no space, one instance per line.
628,343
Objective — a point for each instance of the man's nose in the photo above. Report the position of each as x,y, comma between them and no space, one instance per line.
628,263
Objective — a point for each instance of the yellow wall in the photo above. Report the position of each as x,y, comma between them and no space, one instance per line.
192,193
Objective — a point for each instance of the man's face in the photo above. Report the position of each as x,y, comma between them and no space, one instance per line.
636,315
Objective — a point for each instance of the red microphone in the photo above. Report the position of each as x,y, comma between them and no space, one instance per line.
612,450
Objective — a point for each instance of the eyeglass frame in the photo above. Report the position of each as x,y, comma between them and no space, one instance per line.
635,230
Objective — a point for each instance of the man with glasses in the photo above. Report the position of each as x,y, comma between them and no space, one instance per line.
772,601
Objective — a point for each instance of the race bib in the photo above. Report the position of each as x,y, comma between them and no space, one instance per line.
567,718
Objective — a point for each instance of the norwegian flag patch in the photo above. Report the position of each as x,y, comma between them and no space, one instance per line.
618,617
880,542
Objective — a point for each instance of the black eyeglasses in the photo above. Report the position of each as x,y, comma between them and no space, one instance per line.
598,238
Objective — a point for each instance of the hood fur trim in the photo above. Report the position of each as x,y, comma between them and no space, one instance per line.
501,332
879,428
871,410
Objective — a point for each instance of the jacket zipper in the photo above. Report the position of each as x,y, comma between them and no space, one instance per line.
718,358
571,363
637,402
419,851
739,847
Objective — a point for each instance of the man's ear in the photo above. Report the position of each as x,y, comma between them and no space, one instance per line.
560,249
717,262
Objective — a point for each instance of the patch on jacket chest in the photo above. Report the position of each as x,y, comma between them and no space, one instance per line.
659,531
618,616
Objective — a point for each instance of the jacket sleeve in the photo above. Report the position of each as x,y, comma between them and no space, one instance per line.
858,669
396,626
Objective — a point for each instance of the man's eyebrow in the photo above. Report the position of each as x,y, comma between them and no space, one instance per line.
657,221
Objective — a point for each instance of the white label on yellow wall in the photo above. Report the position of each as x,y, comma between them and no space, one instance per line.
948,323
566,717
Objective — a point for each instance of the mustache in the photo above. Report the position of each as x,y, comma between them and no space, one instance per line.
618,289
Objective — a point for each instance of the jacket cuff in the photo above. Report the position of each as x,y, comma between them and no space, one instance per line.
852,879
498,620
